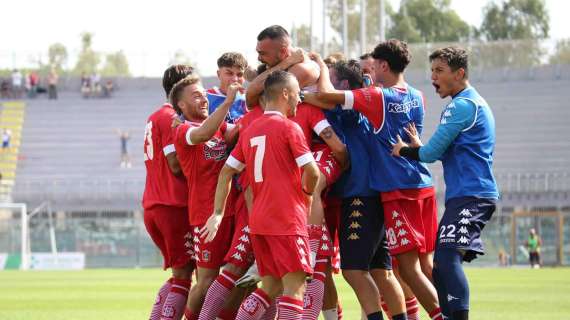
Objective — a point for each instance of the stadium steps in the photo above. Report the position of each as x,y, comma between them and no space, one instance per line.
11,118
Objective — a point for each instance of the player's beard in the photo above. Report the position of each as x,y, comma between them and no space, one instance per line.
292,102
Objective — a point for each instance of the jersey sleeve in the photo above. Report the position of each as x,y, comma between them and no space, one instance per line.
318,120
166,134
454,120
236,159
298,145
368,101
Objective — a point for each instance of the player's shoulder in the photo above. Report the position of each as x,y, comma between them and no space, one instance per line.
463,104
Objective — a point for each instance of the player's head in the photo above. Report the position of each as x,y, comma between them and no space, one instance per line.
346,75
390,57
282,90
449,70
188,98
532,231
273,45
174,74
231,68
367,65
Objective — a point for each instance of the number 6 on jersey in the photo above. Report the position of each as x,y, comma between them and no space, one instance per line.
258,142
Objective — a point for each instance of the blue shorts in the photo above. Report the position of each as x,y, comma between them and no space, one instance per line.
361,235
461,225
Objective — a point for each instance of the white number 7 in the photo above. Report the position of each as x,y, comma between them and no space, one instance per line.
258,142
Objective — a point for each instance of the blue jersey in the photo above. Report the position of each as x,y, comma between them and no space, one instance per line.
354,131
237,110
389,111
464,142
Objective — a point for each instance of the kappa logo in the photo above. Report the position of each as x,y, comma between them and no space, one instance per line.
240,247
357,202
447,113
395,214
329,163
450,297
324,237
300,241
250,305
356,214
464,221
237,256
399,223
355,225
402,233
463,230
443,121
353,236
302,251
324,247
196,230
465,213
304,261
463,240
328,170
244,238
404,242
245,229
196,239
394,107
168,312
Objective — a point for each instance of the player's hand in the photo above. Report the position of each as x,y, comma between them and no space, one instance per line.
399,145
298,56
317,58
232,92
412,132
250,278
210,229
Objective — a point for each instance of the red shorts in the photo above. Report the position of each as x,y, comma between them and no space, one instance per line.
333,207
241,252
211,255
278,255
326,162
169,228
411,224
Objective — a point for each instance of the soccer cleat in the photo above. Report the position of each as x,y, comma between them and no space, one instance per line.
250,278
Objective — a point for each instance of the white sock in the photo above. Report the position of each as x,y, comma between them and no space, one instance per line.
330,314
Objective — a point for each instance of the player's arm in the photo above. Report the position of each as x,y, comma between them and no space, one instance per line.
306,73
310,177
203,133
174,165
338,148
452,123
255,88
231,134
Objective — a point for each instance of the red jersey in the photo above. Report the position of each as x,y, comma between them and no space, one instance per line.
161,187
243,123
311,119
274,148
201,164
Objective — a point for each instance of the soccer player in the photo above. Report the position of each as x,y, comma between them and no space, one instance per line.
365,261
274,149
367,66
274,46
165,203
464,141
231,69
202,143
406,189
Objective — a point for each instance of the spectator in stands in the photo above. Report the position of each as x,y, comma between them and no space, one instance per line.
95,84
85,85
533,245
52,84
6,137
34,80
16,84
125,157
108,88
4,89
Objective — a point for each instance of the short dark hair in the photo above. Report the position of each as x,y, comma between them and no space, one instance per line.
232,59
349,71
365,56
275,82
395,53
177,89
174,74
455,57
273,32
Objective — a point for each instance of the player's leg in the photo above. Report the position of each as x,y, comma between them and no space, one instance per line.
331,302
258,302
412,306
209,258
386,282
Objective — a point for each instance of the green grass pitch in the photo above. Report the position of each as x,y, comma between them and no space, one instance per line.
124,294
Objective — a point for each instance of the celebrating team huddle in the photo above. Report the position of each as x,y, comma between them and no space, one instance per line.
315,161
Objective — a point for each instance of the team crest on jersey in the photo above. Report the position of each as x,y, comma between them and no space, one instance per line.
216,149
206,256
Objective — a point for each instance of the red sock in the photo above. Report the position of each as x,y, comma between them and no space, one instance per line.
435,314
339,310
217,294
314,293
290,308
175,303
159,301
271,312
412,309
227,314
254,306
